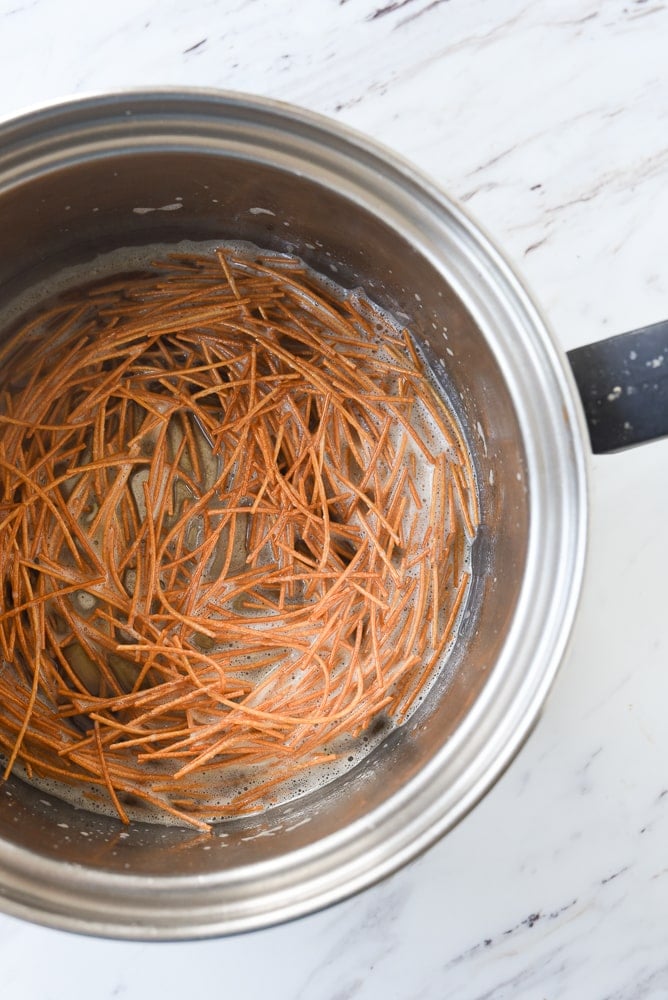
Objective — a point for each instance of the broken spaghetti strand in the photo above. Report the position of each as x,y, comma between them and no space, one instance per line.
234,518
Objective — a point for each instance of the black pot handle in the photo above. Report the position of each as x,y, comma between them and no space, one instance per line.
623,384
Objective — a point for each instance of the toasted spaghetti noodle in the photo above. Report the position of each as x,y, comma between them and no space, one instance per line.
233,522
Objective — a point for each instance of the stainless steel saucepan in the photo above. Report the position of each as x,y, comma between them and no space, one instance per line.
125,170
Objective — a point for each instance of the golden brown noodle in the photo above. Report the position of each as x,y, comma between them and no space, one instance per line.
225,537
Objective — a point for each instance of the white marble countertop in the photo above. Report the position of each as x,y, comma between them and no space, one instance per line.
549,120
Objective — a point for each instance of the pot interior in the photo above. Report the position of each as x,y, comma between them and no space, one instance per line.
75,187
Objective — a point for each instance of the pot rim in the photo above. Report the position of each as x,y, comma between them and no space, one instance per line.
75,898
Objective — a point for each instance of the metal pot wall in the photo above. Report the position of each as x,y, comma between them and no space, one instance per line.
134,169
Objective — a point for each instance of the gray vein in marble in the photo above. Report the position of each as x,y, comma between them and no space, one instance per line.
573,22
388,9
535,245
349,991
645,989
342,105
593,114
480,189
621,179
19,10
365,922
590,760
614,875
195,47
486,37
532,966
393,76
646,11
527,923
425,10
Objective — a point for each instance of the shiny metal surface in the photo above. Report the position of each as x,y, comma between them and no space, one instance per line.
71,177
